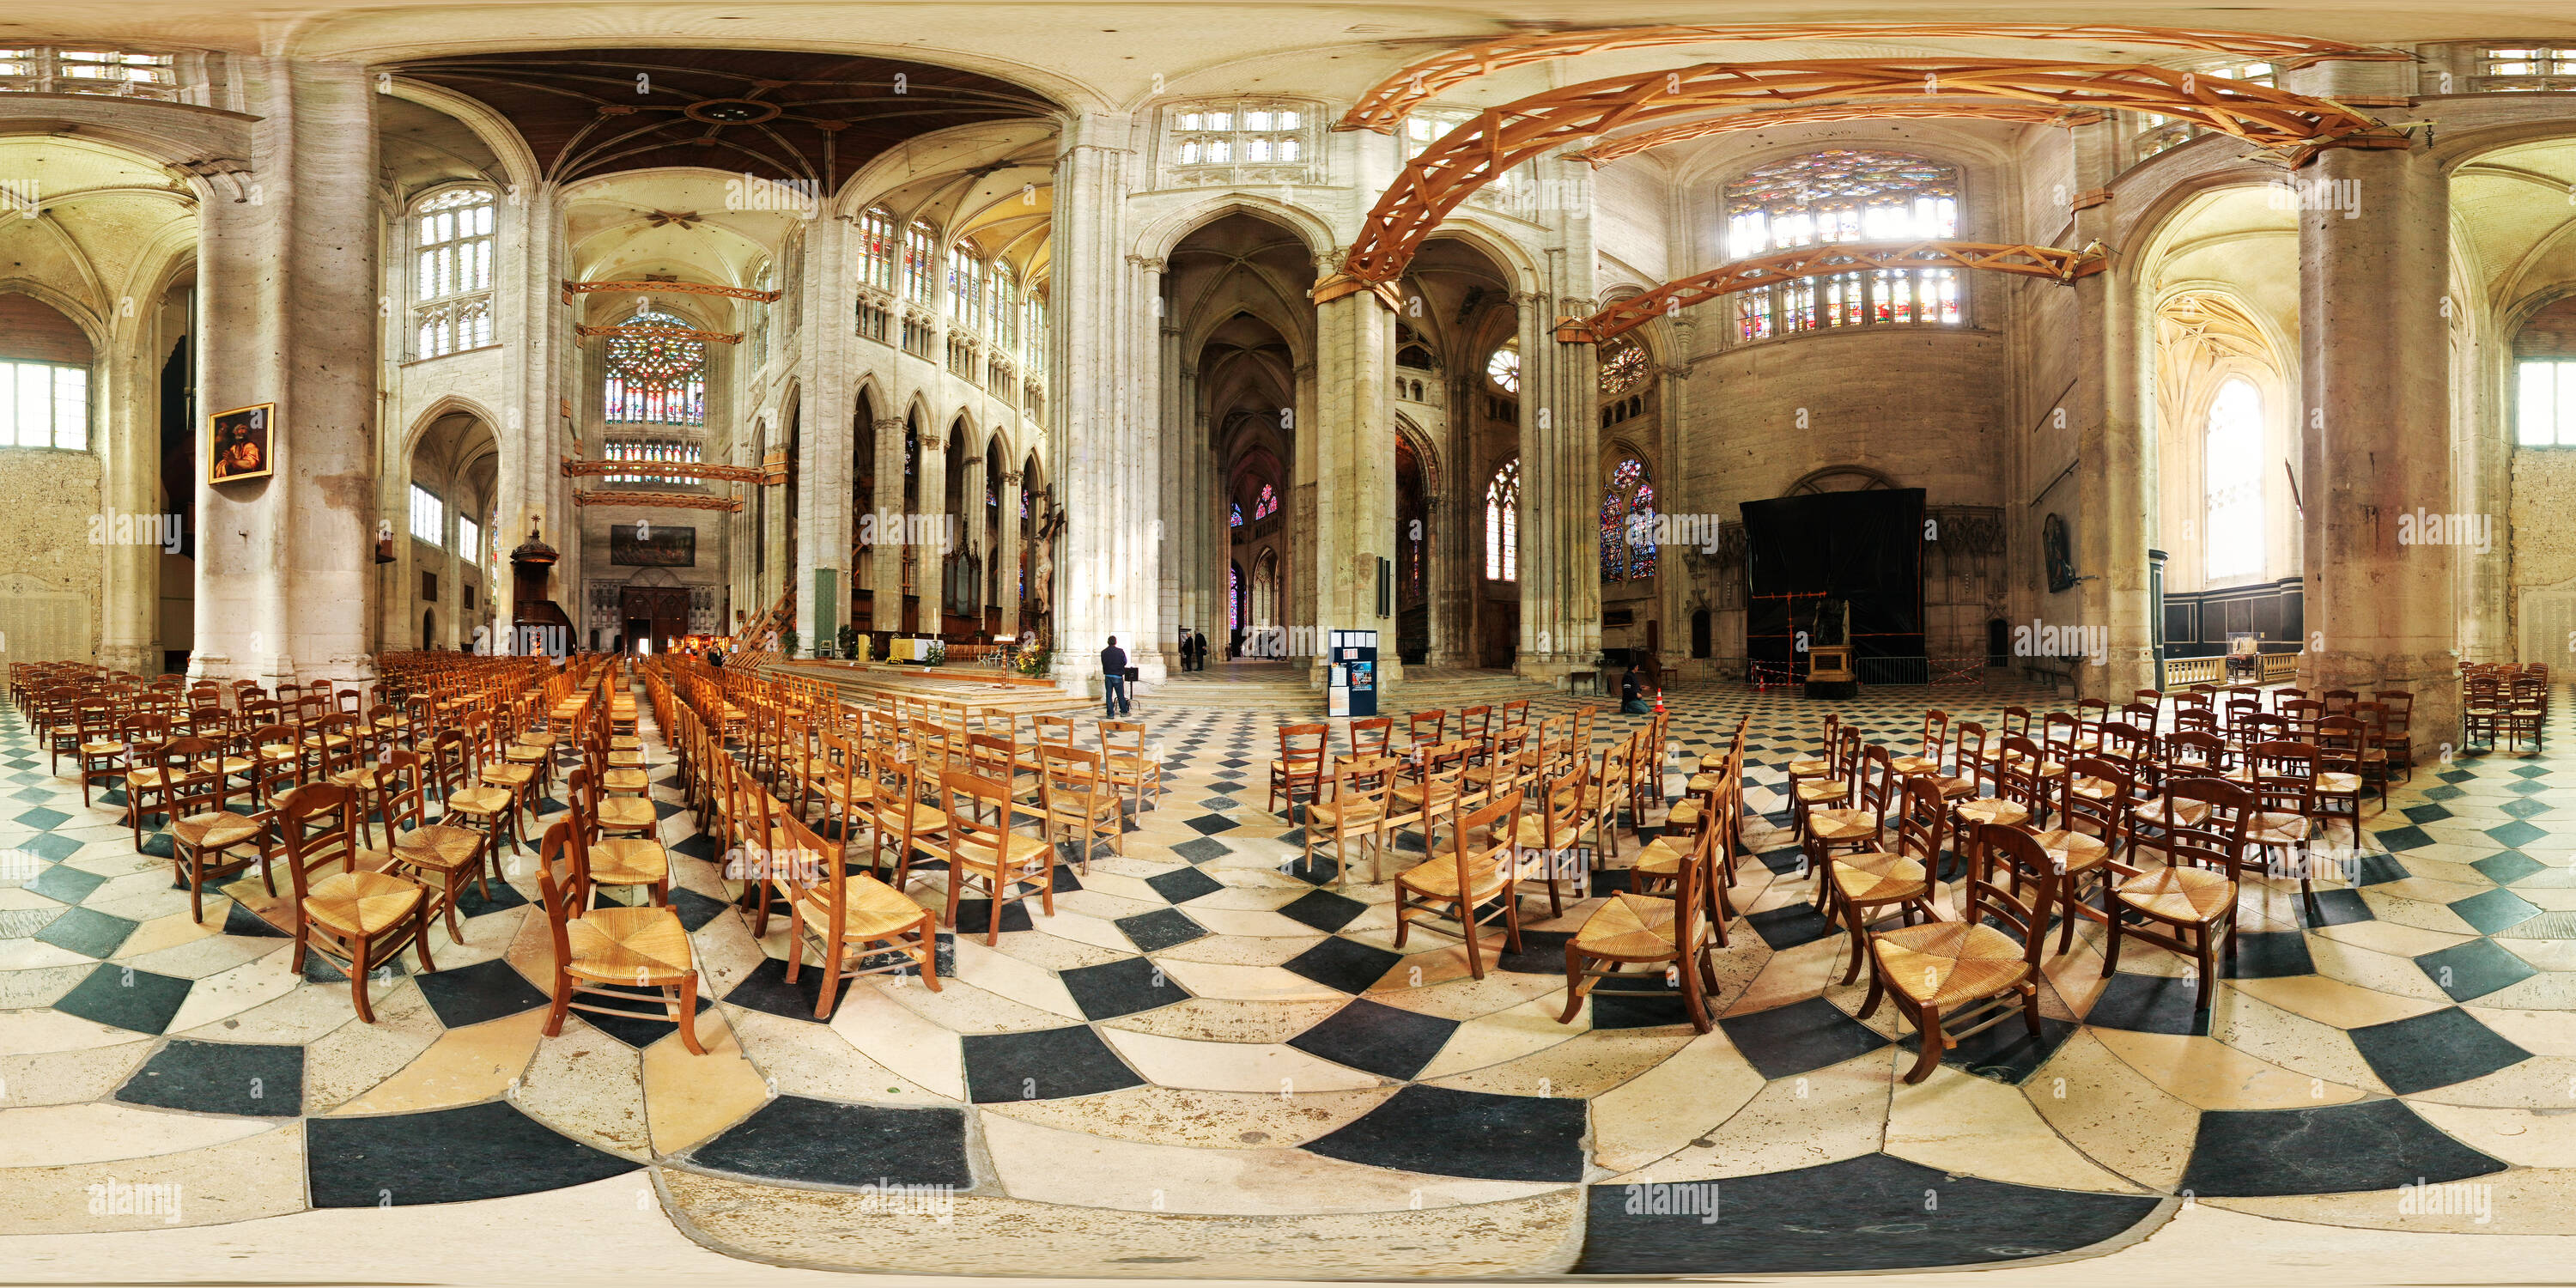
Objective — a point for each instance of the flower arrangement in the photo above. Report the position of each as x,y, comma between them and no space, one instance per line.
1033,662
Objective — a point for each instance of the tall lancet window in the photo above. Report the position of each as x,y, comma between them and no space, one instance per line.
2233,476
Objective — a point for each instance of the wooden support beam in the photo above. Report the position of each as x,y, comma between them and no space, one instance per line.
1384,107
1672,297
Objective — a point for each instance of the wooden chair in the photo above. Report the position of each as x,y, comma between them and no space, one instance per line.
1357,805
357,917
1436,721
2091,830
991,858
1298,774
1955,979
1601,798
2285,811
107,744
1476,722
1552,832
1861,826
1076,798
1458,887
1863,887
2396,737
1658,865
1371,736
1832,790
1631,929
441,856
2193,897
613,953
1131,764
2349,763
848,918
206,836
622,861
1516,713
1435,791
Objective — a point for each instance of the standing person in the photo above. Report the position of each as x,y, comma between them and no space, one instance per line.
1193,647
1113,679
1185,648
1198,648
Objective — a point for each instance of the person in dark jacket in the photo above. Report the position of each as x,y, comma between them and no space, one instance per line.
1113,679
1632,695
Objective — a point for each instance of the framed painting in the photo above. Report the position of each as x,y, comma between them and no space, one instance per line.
638,545
241,444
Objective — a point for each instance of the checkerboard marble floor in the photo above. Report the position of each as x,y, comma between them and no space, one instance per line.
1212,1060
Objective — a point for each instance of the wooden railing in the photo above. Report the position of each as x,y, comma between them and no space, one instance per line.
2184,672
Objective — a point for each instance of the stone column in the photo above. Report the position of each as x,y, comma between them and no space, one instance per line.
129,468
1436,523
1458,577
936,537
1006,554
1354,437
1298,596
1108,456
2375,366
288,288
885,557
2115,484
526,308
978,535
1560,542
826,363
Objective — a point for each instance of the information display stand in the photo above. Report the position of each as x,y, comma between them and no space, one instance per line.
1351,683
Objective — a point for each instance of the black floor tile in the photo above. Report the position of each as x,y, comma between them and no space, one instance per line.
1324,910
2338,908
2505,867
1376,1038
221,1078
483,991
2495,910
2148,1003
1112,989
1202,849
695,909
2005,1053
1160,929
2435,1049
445,1156
1790,925
2473,969
87,931
2332,1149
975,916
1868,1213
1801,1037
1345,964
1445,1132
1050,1064
823,1142
2269,955
64,884
128,999
1180,885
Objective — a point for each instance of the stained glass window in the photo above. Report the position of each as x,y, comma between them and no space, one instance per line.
1628,523
1503,523
1234,597
876,248
965,287
1843,195
453,232
1238,516
1623,364
657,378
1024,505
1504,368
920,260
2233,478
1004,310
1266,505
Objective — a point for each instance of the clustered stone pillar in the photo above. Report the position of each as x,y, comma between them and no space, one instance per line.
978,536
2374,350
828,360
1108,461
1006,554
936,538
288,279
2115,484
1354,454
1560,542
885,555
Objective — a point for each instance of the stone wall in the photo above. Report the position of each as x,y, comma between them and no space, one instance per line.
49,566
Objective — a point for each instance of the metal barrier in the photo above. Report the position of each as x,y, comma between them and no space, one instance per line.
1880,670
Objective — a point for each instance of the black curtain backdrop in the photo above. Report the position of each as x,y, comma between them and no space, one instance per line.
1865,547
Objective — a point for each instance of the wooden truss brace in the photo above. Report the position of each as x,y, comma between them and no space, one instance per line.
668,469
2057,265
1384,107
1474,154
667,500
571,289
691,333
1609,150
